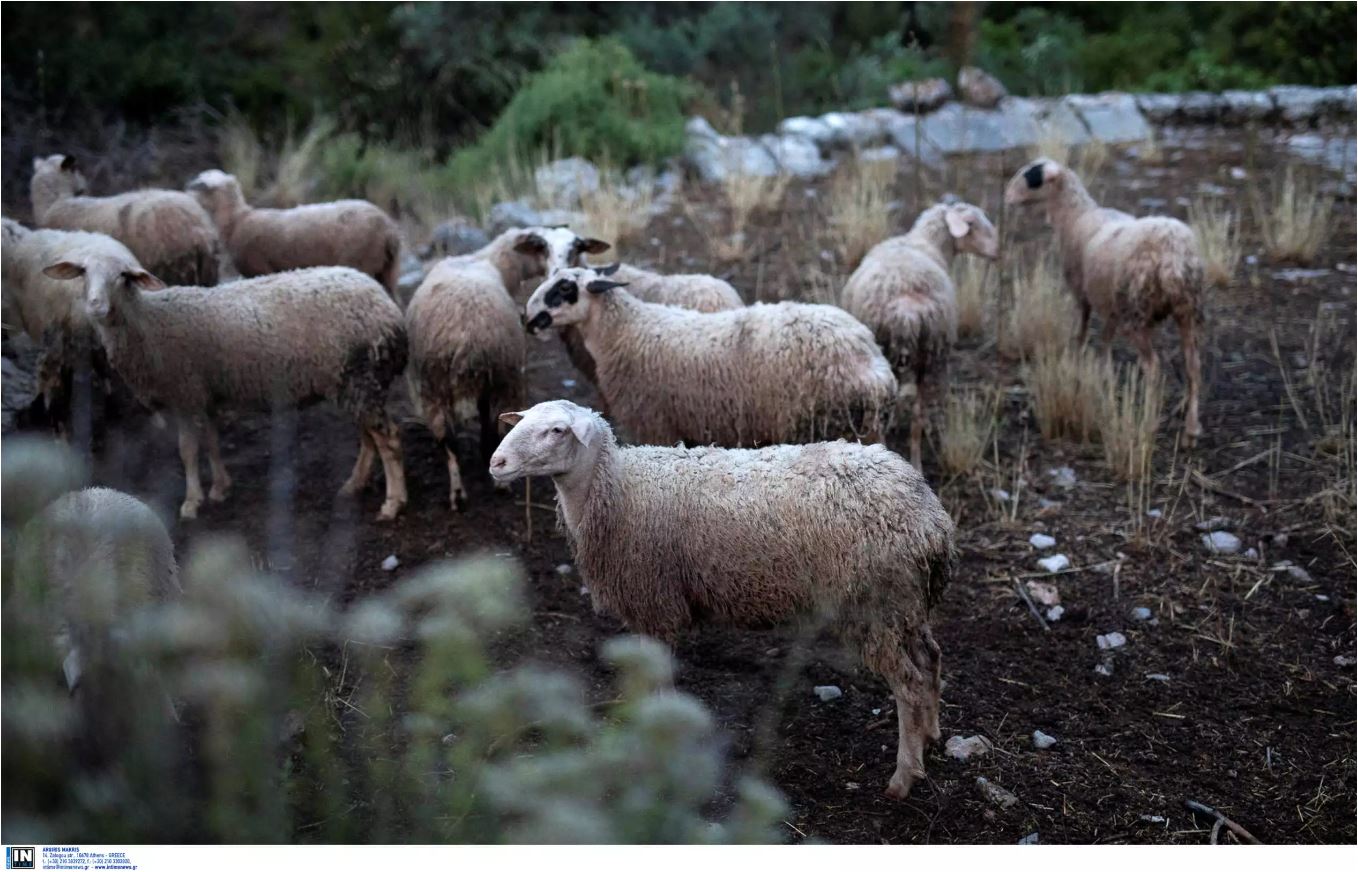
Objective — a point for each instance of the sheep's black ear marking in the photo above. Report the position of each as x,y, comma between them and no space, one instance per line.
531,243
68,163
610,269
1033,176
594,246
599,286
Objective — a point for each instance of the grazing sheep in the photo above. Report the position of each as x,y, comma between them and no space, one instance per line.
696,291
902,291
1132,271
167,231
95,555
837,531
352,233
466,345
786,372
275,341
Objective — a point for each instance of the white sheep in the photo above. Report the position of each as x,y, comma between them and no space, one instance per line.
275,341
762,374
167,231
353,233
668,537
903,292
1133,271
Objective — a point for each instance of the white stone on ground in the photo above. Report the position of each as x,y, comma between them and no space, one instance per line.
1221,542
1111,640
1055,563
966,747
827,692
1141,613
1041,541
1055,612
390,563
1041,741
995,793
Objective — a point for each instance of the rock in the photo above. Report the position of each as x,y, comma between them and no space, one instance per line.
1030,839
390,563
1041,541
827,692
454,237
878,154
1344,660
568,382
1055,613
796,155
1157,676
1111,117
1154,513
1216,522
958,129
1251,554
698,127
408,282
1108,641
903,134
1063,477
715,159
1141,613
960,748
1335,153
857,130
996,794
1041,741
1238,107
512,213
813,129
1221,542
1297,276
1300,105
978,88
1158,108
920,95
1105,669
1201,107
999,494
1299,574
564,569
1055,563
1152,818
1044,593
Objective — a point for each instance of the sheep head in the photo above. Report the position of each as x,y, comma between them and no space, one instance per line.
55,178
551,438
971,230
219,194
107,279
566,298
548,249
1036,182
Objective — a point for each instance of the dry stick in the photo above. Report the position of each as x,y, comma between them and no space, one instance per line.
1206,483
1241,833
1032,607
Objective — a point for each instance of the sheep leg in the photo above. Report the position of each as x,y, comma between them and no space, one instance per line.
1145,351
1084,322
188,454
930,658
893,661
917,416
221,479
363,466
1188,334
457,494
388,440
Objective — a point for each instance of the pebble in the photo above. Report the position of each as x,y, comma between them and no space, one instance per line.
1214,523
1322,597
1111,640
1239,173
584,591
1141,613
964,748
390,563
1041,541
1062,476
1221,542
1030,839
1152,818
564,569
827,692
1041,741
1341,660
995,793
1157,676
1298,573
999,494
1044,593
1055,613
1251,554
1105,668
1154,513
1044,503
876,712
1055,563
568,382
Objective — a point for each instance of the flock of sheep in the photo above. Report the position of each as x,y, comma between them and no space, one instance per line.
760,521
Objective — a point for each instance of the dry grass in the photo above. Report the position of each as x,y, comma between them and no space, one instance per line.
975,281
1132,405
858,216
1087,160
242,153
1042,316
969,418
744,197
1295,220
616,212
1068,388
296,169
1218,232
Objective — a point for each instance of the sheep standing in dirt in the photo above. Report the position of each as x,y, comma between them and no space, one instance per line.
665,537
167,231
696,291
277,341
352,233
758,375
903,292
1133,271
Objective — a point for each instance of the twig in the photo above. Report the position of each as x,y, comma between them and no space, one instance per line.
1242,464
1240,832
1206,483
1032,607
1007,578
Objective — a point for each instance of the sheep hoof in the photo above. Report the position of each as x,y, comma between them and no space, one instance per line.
900,785
390,509
189,510
350,489
459,501
219,494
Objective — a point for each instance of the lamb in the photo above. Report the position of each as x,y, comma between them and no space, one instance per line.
696,291
841,532
275,341
167,231
1133,271
352,233
767,373
902,291
97,554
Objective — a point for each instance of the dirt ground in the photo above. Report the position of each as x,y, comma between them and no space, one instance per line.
1232,695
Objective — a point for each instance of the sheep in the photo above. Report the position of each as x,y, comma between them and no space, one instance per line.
902,291
696,291
352,233
167,231
275,341
95,555
1133,271
667,536
783,372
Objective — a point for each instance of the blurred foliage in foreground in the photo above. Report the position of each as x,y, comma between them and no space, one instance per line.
387,722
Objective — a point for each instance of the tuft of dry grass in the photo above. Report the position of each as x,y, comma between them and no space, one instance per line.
744,196
1132,405
1087,160
1042,315
1295,219
858,215
1051,144
1218,232
242,153
616,212
296,169
969,418
975,282
1068,388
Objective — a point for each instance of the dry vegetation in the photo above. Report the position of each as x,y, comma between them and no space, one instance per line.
975,281
969,417
1128,421
1218,232
744,196
1068,386
1042,315
858,215
1294,219
616,212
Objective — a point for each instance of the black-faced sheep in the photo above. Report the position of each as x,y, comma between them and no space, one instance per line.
837,531
1134,272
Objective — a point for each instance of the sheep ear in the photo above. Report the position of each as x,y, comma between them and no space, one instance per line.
599,286
594,246
582,425
143,280
38,162
68,163
1035,175
64,270
531,243
610,269
511,418
957,222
